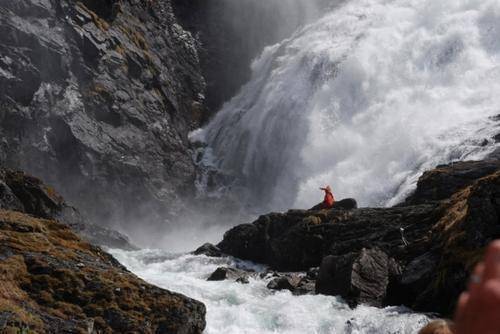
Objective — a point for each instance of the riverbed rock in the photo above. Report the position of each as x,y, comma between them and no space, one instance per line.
209,250
358,277
97,99
297,283
53,282
227,273
432,244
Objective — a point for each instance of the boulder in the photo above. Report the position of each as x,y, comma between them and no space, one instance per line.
284,283
226,273
297,283
346,204
209,250
358,277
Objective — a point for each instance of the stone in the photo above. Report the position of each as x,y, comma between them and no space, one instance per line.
283,283
346,204
226,273
357,277
209,250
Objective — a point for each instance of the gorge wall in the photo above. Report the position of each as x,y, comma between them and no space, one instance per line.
97,99
233,33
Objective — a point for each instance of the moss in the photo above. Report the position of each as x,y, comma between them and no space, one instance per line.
98,21
120,50
135,36
52,274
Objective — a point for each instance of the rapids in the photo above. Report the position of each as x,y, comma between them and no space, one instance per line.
253,309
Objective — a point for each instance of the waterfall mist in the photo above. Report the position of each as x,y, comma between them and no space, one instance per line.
365,98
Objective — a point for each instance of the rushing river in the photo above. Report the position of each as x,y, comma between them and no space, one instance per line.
234,308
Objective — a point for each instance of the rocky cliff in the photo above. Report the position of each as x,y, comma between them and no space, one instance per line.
52,281
97,99
233,33
419,253
27,194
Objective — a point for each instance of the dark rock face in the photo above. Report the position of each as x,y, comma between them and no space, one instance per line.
24,193
298,240
52,282
419,253
97,99
358,277
442,182
284,283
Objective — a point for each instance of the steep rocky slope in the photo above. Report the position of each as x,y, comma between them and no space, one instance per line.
97,99
27,194
52,281
419,253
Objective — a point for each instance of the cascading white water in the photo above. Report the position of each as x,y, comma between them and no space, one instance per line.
365,99
253,309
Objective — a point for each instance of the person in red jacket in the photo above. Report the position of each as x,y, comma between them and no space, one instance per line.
329,199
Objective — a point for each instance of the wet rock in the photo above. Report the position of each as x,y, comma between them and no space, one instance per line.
313,273
357,277
305,287
297,283
413,280
54,282
346,204
209,250
288,243
442,182
226,273
284,283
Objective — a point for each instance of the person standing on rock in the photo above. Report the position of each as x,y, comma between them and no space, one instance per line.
329,199
329,202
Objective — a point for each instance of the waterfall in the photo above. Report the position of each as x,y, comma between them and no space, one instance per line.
365,98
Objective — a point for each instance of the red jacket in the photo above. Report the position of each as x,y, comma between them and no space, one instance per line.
329,199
